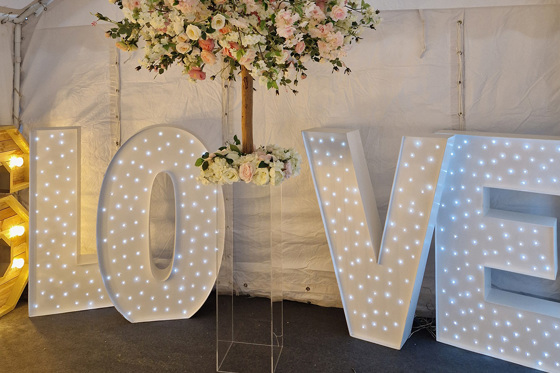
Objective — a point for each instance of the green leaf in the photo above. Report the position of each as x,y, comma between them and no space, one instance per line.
236,139
205,165
205,155
234,148
222,148
263,164
229,161
239,54
198,162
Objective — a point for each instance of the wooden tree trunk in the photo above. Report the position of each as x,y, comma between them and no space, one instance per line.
246,111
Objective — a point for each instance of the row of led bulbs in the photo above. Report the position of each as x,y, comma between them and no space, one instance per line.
16,230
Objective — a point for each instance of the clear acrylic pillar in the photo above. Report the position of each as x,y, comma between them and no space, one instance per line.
249,329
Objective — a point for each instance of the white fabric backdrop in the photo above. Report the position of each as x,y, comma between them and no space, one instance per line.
511,84
6,73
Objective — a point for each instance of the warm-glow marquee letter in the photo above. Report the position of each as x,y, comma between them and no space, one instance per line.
379,272
475,238
140,289
60,278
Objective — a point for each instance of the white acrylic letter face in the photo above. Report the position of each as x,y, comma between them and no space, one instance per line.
379,295
57,283
123,228
473,238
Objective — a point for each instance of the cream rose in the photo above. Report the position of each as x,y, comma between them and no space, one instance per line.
193,32
261,176
181,38
230,176
218,22
276,176
183,47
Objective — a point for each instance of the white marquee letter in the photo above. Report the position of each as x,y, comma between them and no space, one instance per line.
379,292
60,278
474,239
140,290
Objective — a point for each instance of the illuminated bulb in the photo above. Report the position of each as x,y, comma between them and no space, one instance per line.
18,263
15,162
16,231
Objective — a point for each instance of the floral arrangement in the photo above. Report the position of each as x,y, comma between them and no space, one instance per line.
273,39
269,164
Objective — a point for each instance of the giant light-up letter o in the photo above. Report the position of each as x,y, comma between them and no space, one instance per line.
139,293
475,238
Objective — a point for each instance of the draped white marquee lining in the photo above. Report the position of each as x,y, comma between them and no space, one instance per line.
403,82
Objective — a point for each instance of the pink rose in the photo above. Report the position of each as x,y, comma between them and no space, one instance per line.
246,171
335,40
248,58
230,52
288,170
131,4
196,73
208,57
286,31
326,29
285,17
321,4
314,12
338,13
207,45
324,49
300,47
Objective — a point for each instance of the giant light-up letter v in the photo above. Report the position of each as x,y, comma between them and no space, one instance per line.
379,289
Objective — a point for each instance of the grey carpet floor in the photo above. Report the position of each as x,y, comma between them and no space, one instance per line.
316,340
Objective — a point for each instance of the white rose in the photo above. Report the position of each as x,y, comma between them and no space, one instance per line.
234,156
261,176
276,176
218,22
193,32
229,176
202,179
183,47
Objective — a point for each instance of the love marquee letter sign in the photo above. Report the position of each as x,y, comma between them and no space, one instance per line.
450,182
